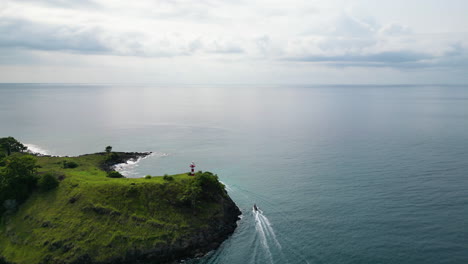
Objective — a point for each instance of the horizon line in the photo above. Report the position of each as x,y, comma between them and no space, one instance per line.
236,84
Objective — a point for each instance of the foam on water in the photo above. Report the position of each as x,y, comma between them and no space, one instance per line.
35,149
266,223
128,168
261,231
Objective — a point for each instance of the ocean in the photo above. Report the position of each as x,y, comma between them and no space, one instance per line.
341,173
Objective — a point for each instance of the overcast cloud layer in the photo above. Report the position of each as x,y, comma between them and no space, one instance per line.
234,41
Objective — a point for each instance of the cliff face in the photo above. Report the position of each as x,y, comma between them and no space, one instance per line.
206,239
91,218
195,244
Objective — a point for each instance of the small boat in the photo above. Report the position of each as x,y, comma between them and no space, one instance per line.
255,207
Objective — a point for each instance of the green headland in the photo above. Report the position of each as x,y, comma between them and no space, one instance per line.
79,210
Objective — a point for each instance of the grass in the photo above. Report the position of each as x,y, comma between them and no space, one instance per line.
91,214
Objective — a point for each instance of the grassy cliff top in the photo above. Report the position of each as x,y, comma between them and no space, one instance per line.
90,217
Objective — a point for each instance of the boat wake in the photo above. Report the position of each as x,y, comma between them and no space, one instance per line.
267,247
263,221
259,239
266,234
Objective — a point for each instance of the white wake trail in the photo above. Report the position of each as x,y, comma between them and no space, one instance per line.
269,229
261,230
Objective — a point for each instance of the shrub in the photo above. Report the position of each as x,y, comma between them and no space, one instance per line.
48,182
168,178
69,164
148,177
114,174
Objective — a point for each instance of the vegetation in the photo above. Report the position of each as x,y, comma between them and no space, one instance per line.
114,174
17,179
109,149
62,214
205,186
113,157
10,145
69,164
47,182
168,178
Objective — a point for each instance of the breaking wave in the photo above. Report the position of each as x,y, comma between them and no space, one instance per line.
128,168
35,149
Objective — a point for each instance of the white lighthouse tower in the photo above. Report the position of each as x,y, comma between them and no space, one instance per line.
192,169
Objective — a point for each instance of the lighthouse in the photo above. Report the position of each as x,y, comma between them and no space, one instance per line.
192,168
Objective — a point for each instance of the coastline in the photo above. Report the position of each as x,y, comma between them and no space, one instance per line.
149,221
120,158
125,158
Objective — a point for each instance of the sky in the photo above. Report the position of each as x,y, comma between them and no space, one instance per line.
234,41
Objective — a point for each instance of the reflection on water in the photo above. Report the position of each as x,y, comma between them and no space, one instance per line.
343,174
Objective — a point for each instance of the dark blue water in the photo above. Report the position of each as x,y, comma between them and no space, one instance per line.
342,174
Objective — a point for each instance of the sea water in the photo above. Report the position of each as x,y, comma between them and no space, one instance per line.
341,174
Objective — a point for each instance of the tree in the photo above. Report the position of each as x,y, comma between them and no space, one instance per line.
10,145
17,178
109,149
20,166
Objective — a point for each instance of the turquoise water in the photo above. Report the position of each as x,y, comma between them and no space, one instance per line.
342,174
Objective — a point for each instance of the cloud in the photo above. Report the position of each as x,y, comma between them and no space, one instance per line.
348,41
349,26
388,58
81,31
455,57
326,34
17,57
65,3
85,39
25,34
223,46
395,29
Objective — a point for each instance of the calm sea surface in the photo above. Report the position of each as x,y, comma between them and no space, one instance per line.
342,174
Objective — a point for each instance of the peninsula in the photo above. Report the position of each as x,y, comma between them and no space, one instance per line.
80,210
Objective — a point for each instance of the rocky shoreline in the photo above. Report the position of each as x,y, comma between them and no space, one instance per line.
116,158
